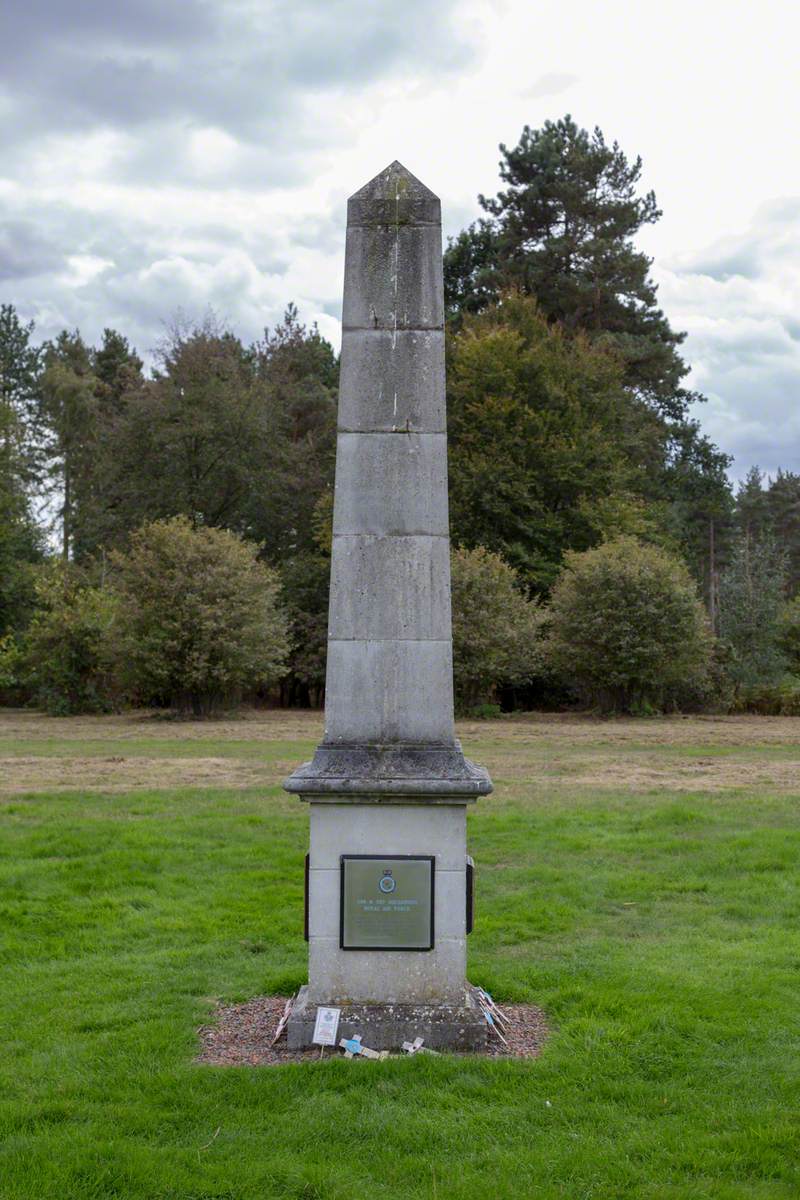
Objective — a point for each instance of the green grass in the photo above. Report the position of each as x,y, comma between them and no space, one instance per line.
660,932
143,747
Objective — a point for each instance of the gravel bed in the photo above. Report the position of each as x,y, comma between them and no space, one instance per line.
240,1035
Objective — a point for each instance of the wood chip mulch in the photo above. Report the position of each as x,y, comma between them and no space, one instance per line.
241,1035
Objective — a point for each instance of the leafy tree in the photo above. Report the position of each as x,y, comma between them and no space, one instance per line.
626,626
20,539
542,433
305,581
199,621
305,589
191,440
789,635
20,370
21,547
562,230
699,506
62,657
751,605
69,417
231,437
10,666
300,373
496,629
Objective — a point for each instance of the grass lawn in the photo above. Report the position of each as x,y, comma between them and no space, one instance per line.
638,880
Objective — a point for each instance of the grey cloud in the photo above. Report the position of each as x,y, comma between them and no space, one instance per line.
207,96
726,263
754,414
772,233
235,68
144,279
25,251
25,26
324,233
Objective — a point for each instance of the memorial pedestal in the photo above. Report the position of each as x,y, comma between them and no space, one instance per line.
387,921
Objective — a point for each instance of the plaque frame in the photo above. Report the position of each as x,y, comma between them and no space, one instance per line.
429,858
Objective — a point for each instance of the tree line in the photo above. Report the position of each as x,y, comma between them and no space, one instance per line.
570,437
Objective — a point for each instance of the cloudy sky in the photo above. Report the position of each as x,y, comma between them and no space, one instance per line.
179,154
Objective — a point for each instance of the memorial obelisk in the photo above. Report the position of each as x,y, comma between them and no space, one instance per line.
388,879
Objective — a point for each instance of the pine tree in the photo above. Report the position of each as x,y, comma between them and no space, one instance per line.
783,505
751,602
753,516
117,367
562,231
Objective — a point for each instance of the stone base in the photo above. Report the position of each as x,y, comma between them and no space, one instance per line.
406,772
387,1026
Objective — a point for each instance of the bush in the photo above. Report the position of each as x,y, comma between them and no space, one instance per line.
198,620
770,699
497,632
789,634
62,656
627,627
11,664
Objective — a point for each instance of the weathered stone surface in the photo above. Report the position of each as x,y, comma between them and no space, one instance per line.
391,483
394,197
399,273
390,588
398,976
389,691
352,773
406,830
392,382
385,976
458,1026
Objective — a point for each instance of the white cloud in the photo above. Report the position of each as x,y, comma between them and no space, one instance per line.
739,301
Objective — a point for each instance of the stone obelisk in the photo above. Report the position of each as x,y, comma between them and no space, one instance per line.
387,879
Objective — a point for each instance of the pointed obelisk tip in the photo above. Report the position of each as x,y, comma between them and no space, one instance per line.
394,197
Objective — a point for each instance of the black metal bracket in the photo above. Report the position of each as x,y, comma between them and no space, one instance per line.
470,893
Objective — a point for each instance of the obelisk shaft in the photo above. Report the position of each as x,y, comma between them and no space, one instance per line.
389,676
389,690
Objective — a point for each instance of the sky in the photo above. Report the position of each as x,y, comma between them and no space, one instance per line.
165,156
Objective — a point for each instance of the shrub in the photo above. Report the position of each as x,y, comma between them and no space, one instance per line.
199,620
62,655
770,699
11,663
789,634
496,630
627,627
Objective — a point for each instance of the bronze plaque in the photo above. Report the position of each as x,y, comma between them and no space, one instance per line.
386,902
